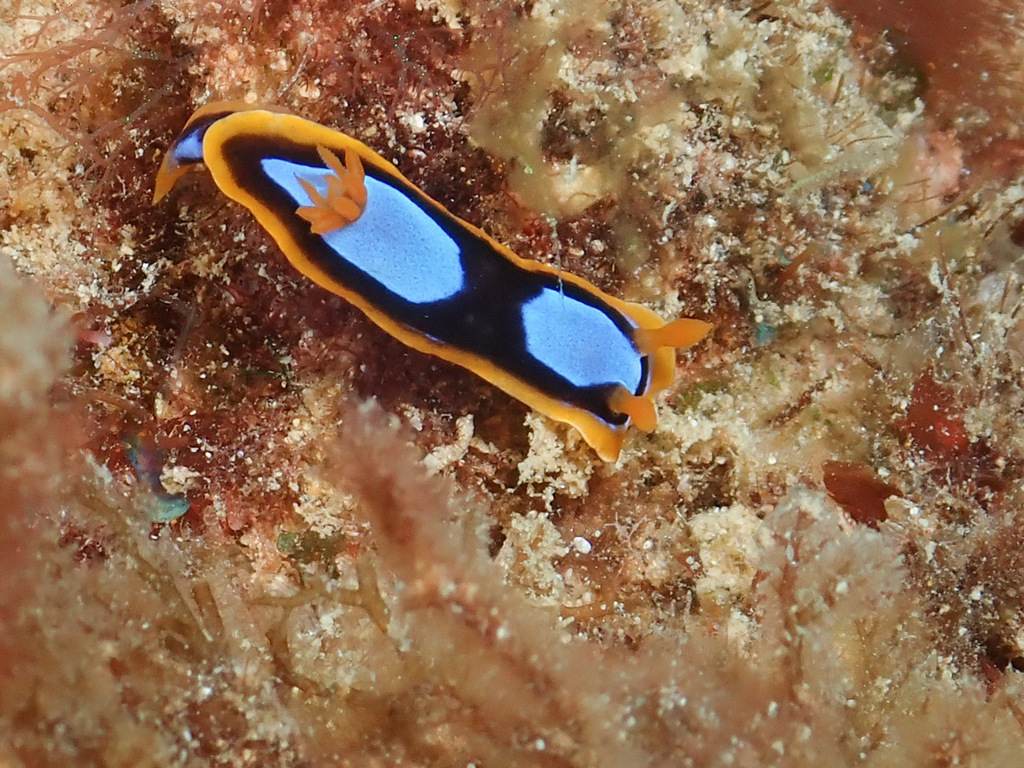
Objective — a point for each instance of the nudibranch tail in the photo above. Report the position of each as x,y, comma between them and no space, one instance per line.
187,149
350,221
168,175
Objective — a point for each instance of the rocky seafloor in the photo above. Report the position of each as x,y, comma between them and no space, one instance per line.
244,526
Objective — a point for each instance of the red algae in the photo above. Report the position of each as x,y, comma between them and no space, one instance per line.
935,422
857,489
968,64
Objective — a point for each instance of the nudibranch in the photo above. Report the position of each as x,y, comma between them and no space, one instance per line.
350,221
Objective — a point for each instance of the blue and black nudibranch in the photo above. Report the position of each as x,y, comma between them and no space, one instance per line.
349,220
